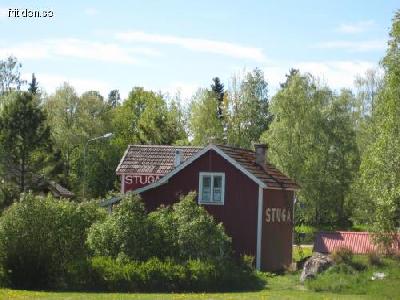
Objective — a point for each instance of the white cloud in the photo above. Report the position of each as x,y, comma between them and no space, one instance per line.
76,48
353,46
91,11
195,44
336,74
356,27
50,82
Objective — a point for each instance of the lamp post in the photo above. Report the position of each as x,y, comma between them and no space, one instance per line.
105,136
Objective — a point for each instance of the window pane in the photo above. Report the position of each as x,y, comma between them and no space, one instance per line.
217,189
206,190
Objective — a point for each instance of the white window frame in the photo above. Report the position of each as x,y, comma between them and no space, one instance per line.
212,175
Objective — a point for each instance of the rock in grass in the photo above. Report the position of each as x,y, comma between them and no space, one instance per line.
315,265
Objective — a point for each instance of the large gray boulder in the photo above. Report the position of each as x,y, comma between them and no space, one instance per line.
315,265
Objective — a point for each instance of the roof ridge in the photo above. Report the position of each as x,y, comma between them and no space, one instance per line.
164,146
235,148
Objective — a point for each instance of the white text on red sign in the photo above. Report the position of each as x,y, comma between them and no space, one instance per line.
277,215
141,179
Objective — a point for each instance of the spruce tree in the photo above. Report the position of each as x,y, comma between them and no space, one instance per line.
113,98
33,85
24,136
218,89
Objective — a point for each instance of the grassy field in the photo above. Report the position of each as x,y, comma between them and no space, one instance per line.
264,294
342,284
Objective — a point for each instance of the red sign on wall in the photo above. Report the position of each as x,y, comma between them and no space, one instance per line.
133,182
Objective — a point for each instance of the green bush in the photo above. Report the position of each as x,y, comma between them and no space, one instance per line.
195,232
127,232
164,232
167,275
40,237
183,231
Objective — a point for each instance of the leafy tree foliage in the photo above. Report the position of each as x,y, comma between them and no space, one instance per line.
380,175
182,232
75,120
204,123
126,233
41,237
64,119
248,109
25,137
146,118
244,108
10,75
197,233
312,139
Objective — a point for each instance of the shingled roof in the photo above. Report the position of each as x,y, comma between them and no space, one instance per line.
269,174
152,159
157,159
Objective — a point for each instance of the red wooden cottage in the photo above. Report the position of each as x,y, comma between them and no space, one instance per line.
252,199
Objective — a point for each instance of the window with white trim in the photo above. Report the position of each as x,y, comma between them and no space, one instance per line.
211,188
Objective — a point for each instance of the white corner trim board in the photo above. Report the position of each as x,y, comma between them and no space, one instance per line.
122,183
259,227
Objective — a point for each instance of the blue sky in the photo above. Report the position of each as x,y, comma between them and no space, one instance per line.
181,45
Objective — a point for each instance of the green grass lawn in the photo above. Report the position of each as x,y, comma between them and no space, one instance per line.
287,293
330,285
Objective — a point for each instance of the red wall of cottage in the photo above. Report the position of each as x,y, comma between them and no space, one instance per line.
239,212
276,243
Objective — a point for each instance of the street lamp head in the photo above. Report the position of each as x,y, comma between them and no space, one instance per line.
107,135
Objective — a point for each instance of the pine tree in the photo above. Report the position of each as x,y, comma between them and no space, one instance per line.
33,85
218,88
24,136
113,98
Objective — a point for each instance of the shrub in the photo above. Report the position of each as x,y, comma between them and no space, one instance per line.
167,275
197,233
165,232
126,232
183,231
164,275
342,255
39,237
